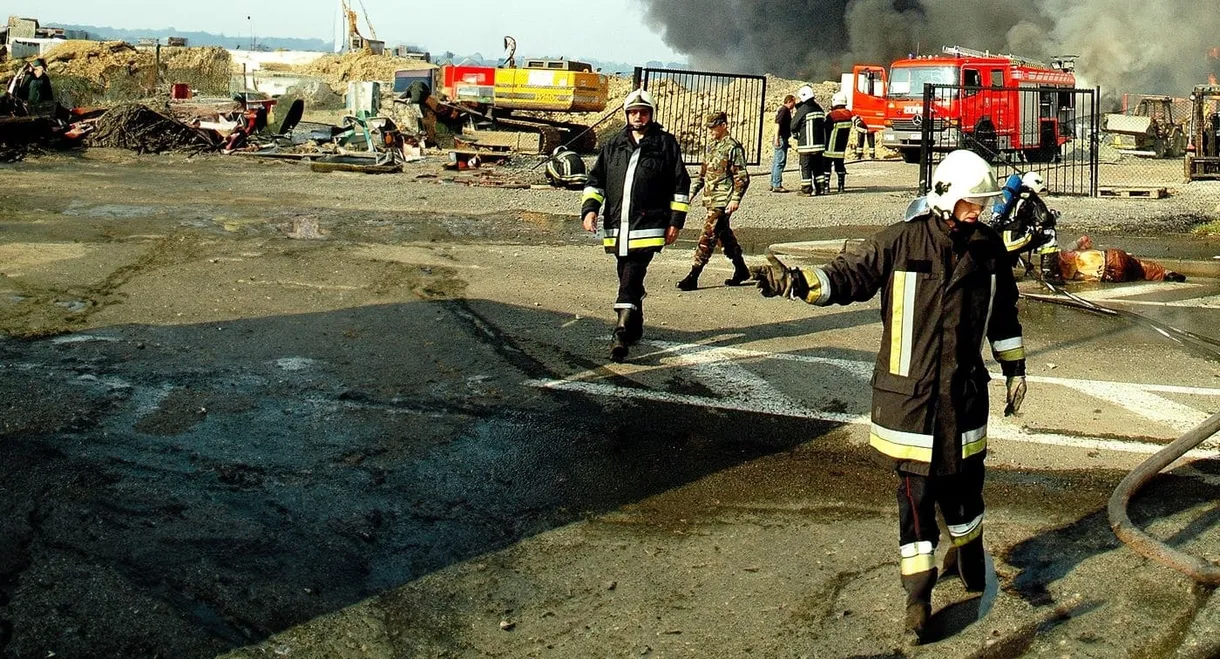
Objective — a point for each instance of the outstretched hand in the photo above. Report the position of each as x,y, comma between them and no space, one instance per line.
777,279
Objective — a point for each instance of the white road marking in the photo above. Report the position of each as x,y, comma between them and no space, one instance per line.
738,388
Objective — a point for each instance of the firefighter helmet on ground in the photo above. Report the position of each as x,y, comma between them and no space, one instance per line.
840,98
1034,181
961,175
640,98
804,93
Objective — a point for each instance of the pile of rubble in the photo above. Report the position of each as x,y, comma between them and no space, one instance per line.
103,63
338,70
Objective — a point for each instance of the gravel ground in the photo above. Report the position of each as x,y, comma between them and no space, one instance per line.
878,192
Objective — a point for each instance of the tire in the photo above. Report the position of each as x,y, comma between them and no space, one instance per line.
910,156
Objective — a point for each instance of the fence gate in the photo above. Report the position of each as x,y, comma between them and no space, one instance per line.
684,97
1050,130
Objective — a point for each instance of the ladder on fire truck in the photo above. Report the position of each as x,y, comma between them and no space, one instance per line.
959,51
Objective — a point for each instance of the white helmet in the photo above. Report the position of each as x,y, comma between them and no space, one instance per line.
961,175
804,93
640,98
1033,181
840,98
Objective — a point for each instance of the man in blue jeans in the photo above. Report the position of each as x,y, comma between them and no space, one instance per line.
779,160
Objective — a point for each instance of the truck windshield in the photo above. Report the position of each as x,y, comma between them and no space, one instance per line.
908,81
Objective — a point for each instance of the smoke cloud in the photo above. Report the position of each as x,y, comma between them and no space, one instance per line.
1123,46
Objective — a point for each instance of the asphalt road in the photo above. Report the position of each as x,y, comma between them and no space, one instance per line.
257,425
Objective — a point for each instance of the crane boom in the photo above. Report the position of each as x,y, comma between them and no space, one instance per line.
372,30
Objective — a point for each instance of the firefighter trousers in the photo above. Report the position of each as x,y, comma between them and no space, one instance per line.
811,166
631,272
960,500
716,229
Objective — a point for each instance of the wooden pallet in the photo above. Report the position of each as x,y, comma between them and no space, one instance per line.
1133,192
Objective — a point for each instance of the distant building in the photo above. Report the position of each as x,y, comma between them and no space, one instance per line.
179,42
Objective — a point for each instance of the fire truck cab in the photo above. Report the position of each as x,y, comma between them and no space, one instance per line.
865,90
1001,104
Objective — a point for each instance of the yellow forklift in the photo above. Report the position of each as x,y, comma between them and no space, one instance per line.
1203,153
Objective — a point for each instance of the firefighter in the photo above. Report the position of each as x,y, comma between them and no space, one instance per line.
724,176
863,134
1026,225
566,169
946,287
838,137
640,185
1086,263
808,124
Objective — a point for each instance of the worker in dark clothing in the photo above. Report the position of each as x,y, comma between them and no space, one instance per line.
640,185
783,135
724,178
946,287
838,137
35,87
808,124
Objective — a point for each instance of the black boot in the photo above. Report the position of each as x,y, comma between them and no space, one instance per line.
618,345
691,282
842,178
972,565
919,604
741,273
634,326
806,190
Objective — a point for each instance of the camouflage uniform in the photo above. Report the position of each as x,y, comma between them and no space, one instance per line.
723,179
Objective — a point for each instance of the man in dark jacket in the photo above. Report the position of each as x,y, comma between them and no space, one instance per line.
35,87
640,185
783,133
946,287
839,130
808,125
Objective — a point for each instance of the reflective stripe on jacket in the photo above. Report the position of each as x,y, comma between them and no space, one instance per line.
809,127
943,299
840,133
640,190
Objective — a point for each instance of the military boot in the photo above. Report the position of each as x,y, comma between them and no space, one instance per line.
618,344
842,180
741,273
919,604
691,281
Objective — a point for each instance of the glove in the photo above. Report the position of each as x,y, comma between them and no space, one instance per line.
1016,394
775,278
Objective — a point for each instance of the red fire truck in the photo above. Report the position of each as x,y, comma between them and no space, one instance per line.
1004,103
865,90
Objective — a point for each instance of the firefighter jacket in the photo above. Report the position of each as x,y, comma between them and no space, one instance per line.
944,297
839,132
1023,220
641,189
723,173
809,126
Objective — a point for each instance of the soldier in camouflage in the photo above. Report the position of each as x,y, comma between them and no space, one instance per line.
723,179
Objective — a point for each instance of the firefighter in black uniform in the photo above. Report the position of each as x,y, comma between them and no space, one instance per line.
566,169
946,285
642,188
808,125
839,129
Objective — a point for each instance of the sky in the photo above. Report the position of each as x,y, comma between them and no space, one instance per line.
608,30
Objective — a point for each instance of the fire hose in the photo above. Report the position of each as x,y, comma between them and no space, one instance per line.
1200,570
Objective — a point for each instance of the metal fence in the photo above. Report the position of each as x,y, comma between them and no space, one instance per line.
684,97
1051,130
1144,141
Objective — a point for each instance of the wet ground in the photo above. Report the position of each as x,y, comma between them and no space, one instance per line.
324,428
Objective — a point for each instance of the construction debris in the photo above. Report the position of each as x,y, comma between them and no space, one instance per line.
144,130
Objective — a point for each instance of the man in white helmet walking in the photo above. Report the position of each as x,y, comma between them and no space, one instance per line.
640,187
947,290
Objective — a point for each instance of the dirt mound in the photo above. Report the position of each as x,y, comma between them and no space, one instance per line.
340,69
